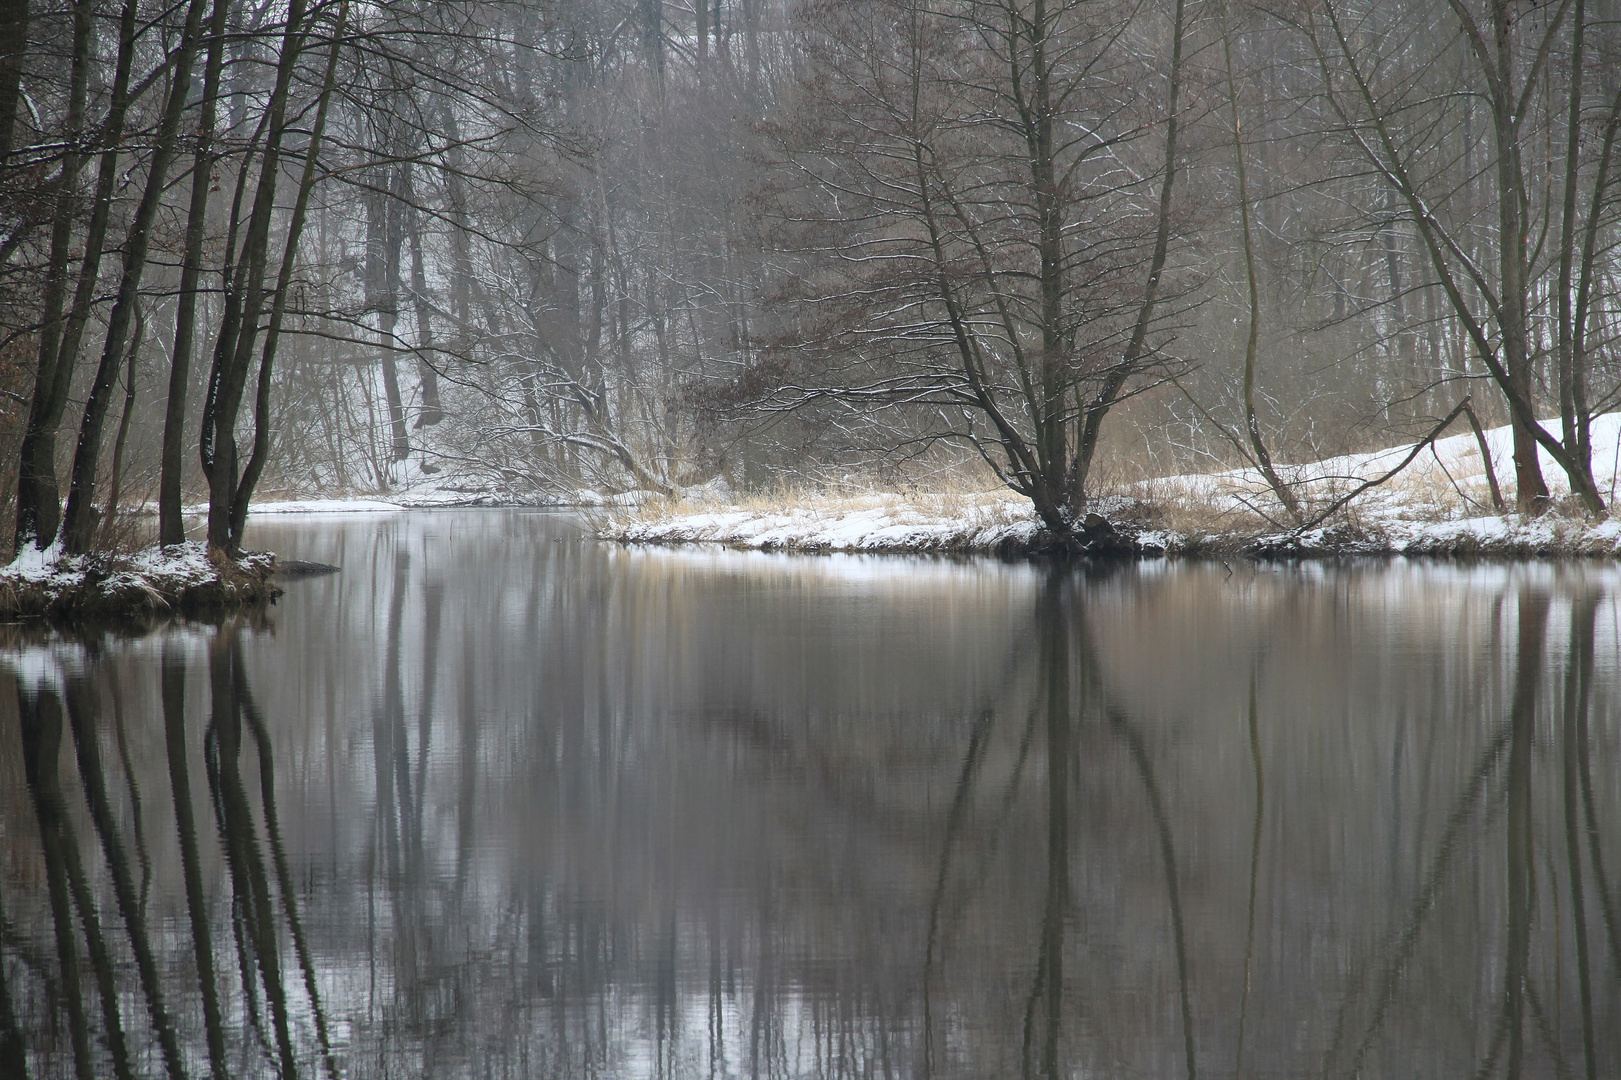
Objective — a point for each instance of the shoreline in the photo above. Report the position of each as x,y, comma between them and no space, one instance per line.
902,529
184,579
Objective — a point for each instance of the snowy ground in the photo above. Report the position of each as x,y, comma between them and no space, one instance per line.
875,522
1440,504
317,506
179,578
427,498
392,502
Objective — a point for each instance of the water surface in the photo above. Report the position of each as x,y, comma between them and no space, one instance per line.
500,801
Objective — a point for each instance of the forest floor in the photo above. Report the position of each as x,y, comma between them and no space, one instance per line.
1439,504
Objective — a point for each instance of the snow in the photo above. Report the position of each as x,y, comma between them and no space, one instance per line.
1440,503
1448,476
179,562
326,506
873,523
33,564
154,578
588,497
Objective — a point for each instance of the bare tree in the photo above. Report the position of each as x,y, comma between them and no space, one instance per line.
1521,274
989,210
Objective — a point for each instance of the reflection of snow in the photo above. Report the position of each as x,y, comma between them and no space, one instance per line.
863,571
37,668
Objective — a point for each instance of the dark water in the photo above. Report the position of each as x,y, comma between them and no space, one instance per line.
497,801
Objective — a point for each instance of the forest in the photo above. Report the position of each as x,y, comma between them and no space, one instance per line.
529,251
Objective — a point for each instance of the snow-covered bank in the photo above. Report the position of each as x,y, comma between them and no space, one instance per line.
384,503
320,506
989,522
183,578
1440,504
392,502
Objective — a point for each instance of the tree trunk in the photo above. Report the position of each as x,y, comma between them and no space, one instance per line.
39,511
1052,443
431,411
1252,425
13,50
171,527
1131,358
114,484
244,304
382,280
1531,491
238,518
79,522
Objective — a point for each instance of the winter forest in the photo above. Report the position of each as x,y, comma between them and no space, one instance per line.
521,250
810,539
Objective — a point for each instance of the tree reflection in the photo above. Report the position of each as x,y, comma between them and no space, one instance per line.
173,677
13,1060
73,682
548,849
39,717
1522,727
84,708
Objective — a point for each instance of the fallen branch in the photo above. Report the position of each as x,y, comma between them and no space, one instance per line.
1485,456
1418,448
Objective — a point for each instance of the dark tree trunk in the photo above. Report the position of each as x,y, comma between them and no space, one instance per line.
115,482
238,518
79,521
1115,380
39,511
171,527
244,304
1531,491
432,411
13,50
382,280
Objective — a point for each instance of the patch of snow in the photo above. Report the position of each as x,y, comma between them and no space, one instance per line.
717,490
32,564
326,506
588,497
864,524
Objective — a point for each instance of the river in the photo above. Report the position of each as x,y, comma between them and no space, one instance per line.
499,800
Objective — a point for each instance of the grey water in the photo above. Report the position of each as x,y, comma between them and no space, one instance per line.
499,800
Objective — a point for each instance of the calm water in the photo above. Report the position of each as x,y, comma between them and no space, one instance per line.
498,801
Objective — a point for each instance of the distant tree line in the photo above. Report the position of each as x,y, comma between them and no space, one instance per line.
526,248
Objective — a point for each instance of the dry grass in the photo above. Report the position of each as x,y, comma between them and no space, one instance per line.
129,531
824,501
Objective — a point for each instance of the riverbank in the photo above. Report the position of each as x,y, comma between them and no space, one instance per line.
986,525
182,579
1441,503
